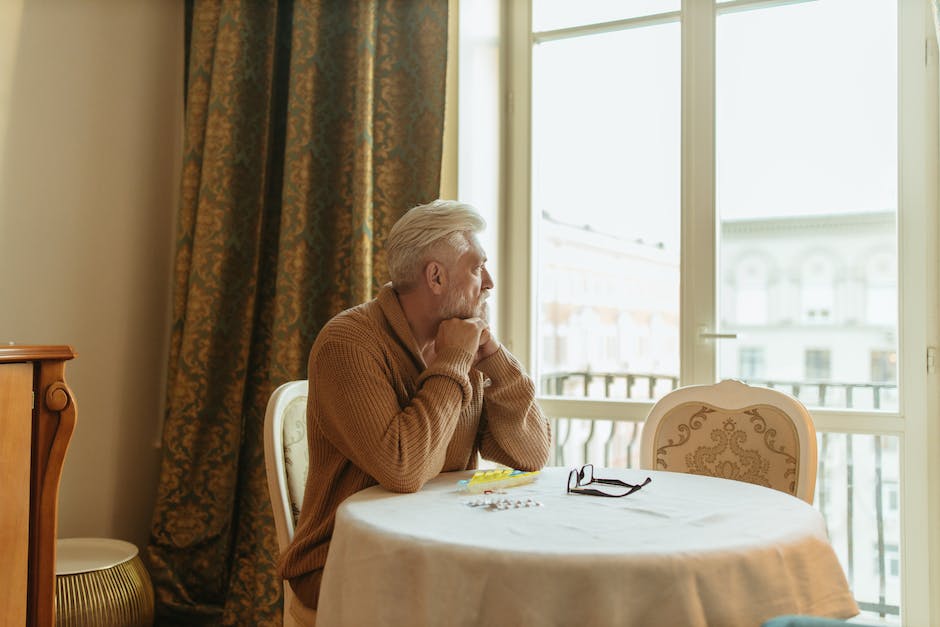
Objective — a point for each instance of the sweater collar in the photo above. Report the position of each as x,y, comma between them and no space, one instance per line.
391,308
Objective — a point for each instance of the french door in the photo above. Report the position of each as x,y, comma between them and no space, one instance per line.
693,190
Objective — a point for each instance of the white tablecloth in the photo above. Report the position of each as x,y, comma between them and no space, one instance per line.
683,551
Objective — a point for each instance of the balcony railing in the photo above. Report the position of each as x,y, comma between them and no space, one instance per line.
851,485
638,386
570,383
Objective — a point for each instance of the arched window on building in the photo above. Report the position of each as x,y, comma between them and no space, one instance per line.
751,287
817,289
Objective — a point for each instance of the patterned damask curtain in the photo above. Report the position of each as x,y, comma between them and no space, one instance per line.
311,126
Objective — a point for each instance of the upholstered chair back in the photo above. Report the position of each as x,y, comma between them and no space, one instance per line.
734,431
296,453
286,461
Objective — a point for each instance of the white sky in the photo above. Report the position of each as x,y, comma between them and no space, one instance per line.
806,118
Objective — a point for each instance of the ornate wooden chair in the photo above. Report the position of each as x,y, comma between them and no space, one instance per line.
286,462
734,431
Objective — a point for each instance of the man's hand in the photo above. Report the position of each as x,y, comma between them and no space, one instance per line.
488,345
459,333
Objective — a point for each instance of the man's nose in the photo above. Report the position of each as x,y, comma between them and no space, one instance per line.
487,280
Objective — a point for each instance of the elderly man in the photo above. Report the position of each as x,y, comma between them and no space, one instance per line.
410,384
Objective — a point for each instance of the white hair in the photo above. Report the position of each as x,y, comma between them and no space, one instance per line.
438,229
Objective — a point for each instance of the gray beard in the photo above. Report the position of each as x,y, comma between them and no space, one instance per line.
458,306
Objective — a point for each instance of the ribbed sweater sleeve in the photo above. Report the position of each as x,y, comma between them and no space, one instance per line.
514,432
359,412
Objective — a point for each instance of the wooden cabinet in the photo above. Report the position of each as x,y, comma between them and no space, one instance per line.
37,417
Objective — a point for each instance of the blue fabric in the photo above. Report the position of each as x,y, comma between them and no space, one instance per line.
793,620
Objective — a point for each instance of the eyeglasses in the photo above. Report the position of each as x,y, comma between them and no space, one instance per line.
584,476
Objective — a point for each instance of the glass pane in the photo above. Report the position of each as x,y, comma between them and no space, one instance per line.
857,491
604,443
479,128
553,14
807,200
605,188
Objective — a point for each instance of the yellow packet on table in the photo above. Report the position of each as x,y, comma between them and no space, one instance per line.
484,480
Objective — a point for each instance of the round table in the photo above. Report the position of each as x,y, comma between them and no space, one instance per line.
684,550
101,582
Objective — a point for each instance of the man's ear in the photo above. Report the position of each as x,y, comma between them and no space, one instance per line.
436,277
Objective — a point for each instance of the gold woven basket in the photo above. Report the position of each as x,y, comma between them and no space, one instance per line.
106,594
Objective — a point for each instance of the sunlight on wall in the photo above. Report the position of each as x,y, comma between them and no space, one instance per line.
10,12
91,112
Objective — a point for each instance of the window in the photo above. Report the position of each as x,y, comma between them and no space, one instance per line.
751,362
693,196
605,169
884,366
892,490
817,365
817,290
894,564
750,290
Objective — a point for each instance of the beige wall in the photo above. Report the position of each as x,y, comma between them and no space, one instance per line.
90,119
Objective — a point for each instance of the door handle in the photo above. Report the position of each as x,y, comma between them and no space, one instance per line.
705,334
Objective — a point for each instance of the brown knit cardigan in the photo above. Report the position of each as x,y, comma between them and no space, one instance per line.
376,414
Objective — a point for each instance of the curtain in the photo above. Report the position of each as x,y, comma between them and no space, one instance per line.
310,127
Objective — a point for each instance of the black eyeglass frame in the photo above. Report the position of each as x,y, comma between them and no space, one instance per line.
577,478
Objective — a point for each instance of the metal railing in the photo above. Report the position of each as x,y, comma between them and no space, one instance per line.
565,383
617,442
585,384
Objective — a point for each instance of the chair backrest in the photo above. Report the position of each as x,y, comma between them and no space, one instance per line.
735,431
285,455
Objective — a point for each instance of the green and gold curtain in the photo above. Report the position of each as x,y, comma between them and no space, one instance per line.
311,126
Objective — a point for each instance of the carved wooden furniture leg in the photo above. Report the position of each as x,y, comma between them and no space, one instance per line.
49,412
